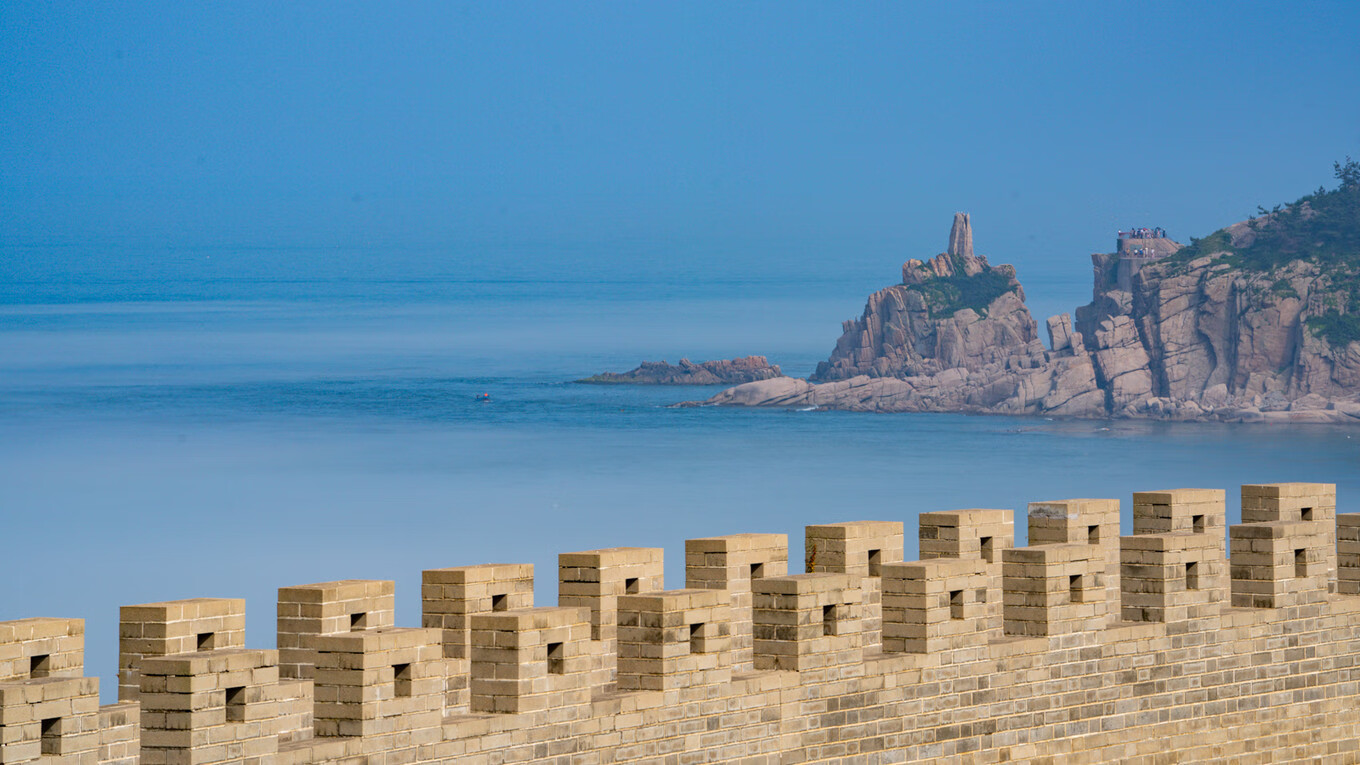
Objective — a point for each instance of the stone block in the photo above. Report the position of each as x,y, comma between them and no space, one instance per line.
1348,553
1313,503
732,563
1081,521
973,533
43,647
1050,590
328,608
596,578
674,639
939,606
1180,510
171,627
808,621
532,660
50,719
209,706
1278,564
1171,577
377,683
450,597
861,549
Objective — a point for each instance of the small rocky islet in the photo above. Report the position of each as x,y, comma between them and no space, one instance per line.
718,372
1258,322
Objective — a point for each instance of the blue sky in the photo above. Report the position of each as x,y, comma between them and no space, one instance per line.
745,135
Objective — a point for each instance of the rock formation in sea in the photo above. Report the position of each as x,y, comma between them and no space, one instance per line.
1257,322
955,335
1209,333
718,372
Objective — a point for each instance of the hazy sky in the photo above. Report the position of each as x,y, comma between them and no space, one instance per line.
744,133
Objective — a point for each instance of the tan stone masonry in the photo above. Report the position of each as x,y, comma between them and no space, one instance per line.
1084,647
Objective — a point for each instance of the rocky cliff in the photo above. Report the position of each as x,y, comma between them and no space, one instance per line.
955,335
720,372
1259,321
1205,335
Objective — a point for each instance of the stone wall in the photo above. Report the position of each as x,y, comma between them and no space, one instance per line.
1086,646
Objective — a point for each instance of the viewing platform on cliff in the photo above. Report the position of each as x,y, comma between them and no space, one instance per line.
1144,243
1138,246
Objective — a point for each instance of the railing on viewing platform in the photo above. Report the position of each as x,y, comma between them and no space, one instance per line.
1143,233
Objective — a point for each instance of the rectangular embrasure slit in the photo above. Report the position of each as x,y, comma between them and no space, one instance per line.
51,736
401,680
236,704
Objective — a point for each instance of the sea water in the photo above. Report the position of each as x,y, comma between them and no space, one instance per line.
219,422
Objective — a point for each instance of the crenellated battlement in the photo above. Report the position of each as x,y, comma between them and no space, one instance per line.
1185,640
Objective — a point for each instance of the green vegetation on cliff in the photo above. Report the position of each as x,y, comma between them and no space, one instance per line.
1283,289
1219,241
1338,329
1322,227
946,295
1339,324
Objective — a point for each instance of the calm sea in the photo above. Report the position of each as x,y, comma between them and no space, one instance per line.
187,423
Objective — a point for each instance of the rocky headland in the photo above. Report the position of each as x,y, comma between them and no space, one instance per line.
719,372
1259,321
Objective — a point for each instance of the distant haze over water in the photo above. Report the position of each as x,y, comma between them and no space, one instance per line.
222,423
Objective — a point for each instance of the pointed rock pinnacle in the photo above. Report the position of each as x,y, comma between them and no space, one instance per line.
961,236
